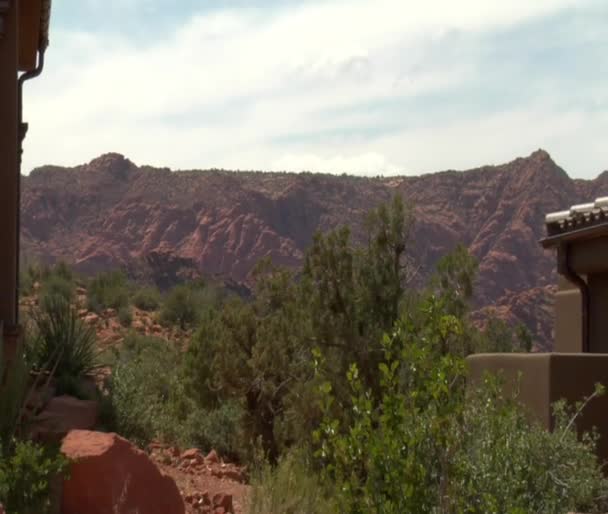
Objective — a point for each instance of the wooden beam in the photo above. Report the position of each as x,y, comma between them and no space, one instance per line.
9,167
29,33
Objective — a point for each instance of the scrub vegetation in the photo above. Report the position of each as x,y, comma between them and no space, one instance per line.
342,385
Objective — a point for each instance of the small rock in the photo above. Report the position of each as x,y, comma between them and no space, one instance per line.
212,457
91,319
193,454
223,501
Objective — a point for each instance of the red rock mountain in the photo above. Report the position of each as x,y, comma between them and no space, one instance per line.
110,213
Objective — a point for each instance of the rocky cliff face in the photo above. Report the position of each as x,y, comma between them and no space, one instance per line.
110,213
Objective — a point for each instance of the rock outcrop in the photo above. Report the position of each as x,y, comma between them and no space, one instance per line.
63,414
110,213
110,475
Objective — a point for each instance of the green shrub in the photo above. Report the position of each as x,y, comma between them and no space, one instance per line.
108,290
292,487
420,447
125,316
147,299
12,393
56,286
27,476
185,303
216,428
146,397
505,463
61,339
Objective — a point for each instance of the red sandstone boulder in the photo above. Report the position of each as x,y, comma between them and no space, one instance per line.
109,475
62,414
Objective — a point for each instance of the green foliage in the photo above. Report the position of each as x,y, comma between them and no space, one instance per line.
148,400
12,393
62,340
147,299
454,279
292,487
420,447
27,476
505,463
185,304
56,286
143,382
215,428
499,337
253,353
108,290
261,353
125,316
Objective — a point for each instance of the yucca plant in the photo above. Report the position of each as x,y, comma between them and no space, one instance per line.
60,335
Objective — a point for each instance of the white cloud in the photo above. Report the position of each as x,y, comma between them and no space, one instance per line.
227,85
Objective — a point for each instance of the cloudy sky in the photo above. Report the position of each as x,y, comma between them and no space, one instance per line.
357,86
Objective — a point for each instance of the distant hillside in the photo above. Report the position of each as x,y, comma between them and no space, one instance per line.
110,213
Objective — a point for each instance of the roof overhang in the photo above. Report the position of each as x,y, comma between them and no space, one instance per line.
34,16
580,222
577,235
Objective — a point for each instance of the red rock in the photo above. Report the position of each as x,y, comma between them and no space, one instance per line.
193,454
91,319
62,414
223,501
108,475
212,457
225,222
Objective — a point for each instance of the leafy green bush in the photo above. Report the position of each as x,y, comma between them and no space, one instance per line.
62,340
108,290
505,463
147,299
27,476
216,428
420,447
185,303
290,487
146,397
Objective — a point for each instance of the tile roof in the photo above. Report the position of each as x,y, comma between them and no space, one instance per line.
578,217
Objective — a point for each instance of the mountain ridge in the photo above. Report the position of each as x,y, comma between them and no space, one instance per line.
111,212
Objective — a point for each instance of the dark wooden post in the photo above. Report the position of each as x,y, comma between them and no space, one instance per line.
9,172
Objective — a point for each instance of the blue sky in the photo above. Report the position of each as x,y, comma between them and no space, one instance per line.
356,86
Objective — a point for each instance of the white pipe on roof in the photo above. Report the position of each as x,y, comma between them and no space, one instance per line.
582,208
556,217
601,202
